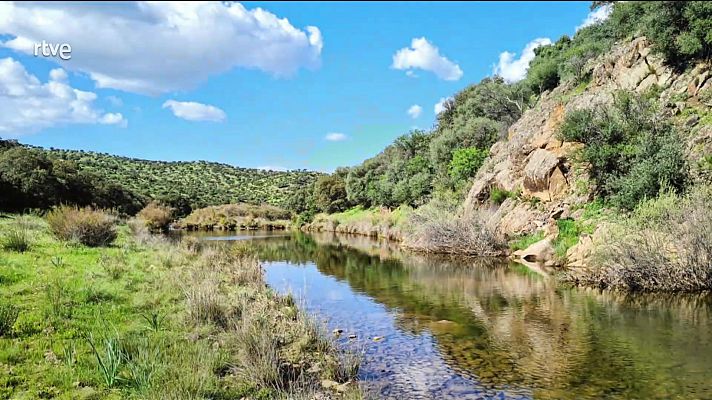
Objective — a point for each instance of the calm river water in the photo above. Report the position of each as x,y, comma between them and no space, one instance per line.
435,328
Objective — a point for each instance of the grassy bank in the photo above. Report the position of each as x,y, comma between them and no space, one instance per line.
437,227
374,222
232,217
143,318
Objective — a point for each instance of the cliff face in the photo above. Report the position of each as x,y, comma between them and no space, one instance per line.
534,162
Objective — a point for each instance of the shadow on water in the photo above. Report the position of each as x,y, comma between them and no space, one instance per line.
453,328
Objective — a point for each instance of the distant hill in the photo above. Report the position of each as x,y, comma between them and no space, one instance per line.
202,183
34,177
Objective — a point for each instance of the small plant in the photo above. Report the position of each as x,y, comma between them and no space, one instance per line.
56,293
57,262
8,316
141,357
154,320
109,358
115,267
69,353
498,196
87,226
16,237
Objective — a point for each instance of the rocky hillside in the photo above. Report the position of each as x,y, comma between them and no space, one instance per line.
534,163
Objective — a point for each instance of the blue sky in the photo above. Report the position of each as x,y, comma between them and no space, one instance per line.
272,103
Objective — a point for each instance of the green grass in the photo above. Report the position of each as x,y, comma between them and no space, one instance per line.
116,322
570,230
498,196
525,241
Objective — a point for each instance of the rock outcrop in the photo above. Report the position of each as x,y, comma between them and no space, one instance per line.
534,163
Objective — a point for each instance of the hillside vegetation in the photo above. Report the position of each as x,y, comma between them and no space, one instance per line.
200,183
441,163
35,178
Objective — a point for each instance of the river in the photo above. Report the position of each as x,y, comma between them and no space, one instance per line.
444,328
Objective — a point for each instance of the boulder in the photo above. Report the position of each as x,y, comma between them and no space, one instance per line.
541,252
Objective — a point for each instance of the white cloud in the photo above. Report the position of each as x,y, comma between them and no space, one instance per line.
414,111
158,47
115,101
336,137
112,119
424,55
192,111
513,70
440,105
598,15
28,105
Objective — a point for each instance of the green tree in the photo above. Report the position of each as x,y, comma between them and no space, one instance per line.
330,193
465,163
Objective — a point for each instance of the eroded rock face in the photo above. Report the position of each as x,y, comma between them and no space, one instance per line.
533,160
543,177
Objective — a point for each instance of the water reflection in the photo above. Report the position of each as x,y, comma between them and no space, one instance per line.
473,329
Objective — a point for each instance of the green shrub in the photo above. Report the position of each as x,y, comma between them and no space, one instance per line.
8,316
679,30
465,163
499,195
16,237
87,226
630,153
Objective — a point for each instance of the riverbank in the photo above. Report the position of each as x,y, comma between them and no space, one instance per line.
236,217
379,222
147,318
436,228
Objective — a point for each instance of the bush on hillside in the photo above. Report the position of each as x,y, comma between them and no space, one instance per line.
630,152
88,226
466,162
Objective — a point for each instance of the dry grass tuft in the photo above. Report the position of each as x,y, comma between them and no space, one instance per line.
156,216
87,226
439,228
665,246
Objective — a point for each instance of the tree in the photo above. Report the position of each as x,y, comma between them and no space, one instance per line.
465,163
330,193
